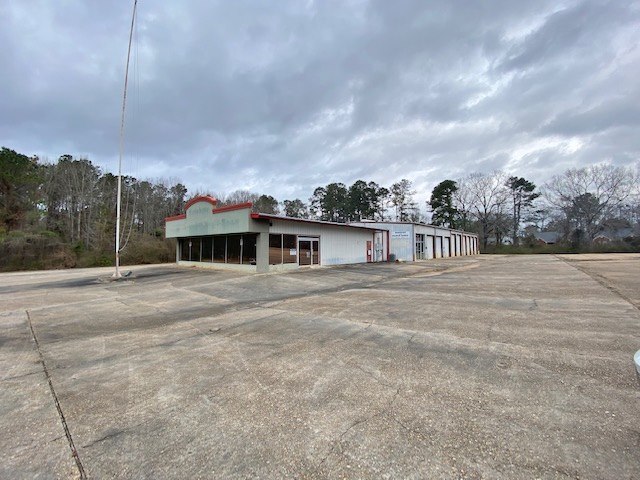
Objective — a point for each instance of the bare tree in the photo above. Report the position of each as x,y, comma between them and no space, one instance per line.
487,196
239,196
462,202
587,196
72,186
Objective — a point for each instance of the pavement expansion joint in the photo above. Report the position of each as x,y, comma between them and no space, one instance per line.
602,281
74,451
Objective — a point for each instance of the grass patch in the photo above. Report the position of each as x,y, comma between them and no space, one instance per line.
614,247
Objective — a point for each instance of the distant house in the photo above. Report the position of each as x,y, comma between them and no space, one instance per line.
547,238
608,236
505,240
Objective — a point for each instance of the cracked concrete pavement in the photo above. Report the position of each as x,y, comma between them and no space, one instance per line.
471,367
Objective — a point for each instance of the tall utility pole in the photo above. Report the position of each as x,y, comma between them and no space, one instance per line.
117,273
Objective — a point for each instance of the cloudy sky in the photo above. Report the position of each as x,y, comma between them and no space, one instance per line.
281,97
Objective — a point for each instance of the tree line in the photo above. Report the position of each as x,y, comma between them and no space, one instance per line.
72,202
336,202
577,205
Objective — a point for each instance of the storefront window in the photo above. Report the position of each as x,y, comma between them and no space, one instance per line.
240,249
275,249
185,250
289,249
219,249
207,249
195,249
233,248
249,249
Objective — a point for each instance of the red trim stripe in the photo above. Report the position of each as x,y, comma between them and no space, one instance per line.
229,208
182,216
268,216
201,198
212,201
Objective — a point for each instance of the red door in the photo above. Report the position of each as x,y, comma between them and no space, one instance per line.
369,251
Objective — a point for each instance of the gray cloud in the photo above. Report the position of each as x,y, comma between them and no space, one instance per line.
281,98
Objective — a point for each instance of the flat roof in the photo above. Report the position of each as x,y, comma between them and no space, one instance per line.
269,216
417,223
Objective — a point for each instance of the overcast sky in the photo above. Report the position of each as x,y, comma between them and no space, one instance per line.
281,97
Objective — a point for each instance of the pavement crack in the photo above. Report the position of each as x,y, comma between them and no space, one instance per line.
74,451
370,374
112,433
355,424
341,436
60,437
22,375
107,436
411,430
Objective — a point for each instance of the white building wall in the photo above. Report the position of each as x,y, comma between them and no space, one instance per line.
429,232
445,234
338,245
401,238
448,243
438,252
402,242
430,251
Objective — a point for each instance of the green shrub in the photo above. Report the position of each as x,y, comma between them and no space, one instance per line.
559,248
34,251
145,249
21,250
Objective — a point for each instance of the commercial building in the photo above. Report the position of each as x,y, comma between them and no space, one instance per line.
410,242
235,237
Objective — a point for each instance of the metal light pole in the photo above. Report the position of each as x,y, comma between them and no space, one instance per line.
117,273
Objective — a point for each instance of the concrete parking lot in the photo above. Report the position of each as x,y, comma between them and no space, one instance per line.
472,367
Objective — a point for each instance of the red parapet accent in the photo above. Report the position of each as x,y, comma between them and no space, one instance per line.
201,198
229,208
269,216
212,201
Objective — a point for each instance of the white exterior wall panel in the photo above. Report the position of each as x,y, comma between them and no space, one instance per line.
199,220
338,245
402,242
430,251
438,246
401,238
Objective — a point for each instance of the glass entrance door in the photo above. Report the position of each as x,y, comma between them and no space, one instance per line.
315,252
304,252
419,246
308,251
